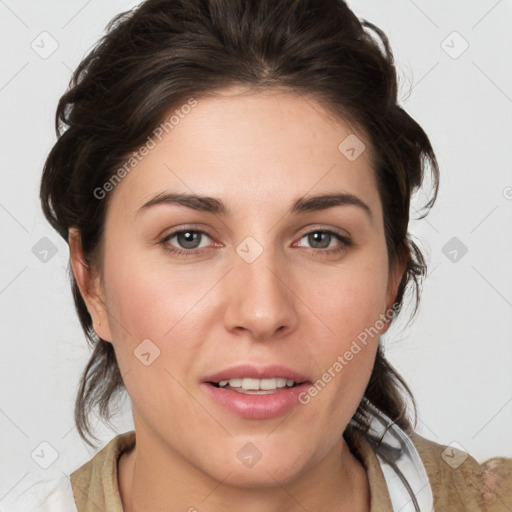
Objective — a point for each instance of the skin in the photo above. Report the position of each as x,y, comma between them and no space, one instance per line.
294,305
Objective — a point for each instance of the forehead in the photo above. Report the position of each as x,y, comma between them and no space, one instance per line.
245,147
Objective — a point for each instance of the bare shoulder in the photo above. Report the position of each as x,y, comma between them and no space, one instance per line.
460,482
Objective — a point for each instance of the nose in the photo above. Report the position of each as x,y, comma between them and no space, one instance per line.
261,301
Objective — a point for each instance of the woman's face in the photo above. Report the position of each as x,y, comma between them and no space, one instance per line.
263,281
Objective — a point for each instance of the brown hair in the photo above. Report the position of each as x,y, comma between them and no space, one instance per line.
155,57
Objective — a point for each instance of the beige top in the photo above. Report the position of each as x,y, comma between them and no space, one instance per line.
470,487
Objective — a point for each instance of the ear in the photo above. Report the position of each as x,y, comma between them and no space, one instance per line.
396,274
89,283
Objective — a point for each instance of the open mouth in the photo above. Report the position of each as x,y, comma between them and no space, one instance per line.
257,393
251,386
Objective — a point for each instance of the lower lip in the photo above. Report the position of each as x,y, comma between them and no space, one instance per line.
258,407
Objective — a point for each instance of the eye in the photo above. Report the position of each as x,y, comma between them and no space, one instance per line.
188,240
323,240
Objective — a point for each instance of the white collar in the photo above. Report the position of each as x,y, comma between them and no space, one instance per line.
406,478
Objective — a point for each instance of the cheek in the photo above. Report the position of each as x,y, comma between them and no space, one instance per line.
164,305
348,300
157,323
350,306
151,299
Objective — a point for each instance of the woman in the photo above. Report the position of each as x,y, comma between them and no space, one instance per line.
234,182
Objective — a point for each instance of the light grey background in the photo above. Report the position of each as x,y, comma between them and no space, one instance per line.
456,356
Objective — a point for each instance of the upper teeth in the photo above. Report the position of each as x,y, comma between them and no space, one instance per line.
264,384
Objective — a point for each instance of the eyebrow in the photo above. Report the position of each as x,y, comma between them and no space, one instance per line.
217,207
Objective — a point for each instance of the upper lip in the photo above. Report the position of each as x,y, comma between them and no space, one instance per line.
255,372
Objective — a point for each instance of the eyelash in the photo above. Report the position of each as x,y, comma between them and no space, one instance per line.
345,242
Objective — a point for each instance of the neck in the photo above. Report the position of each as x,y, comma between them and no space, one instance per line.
153,477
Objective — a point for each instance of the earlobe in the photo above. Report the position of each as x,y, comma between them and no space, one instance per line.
89,283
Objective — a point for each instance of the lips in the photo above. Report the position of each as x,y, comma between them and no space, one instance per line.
256,392
256,372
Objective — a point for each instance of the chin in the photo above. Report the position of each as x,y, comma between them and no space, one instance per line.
264,475
260,463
